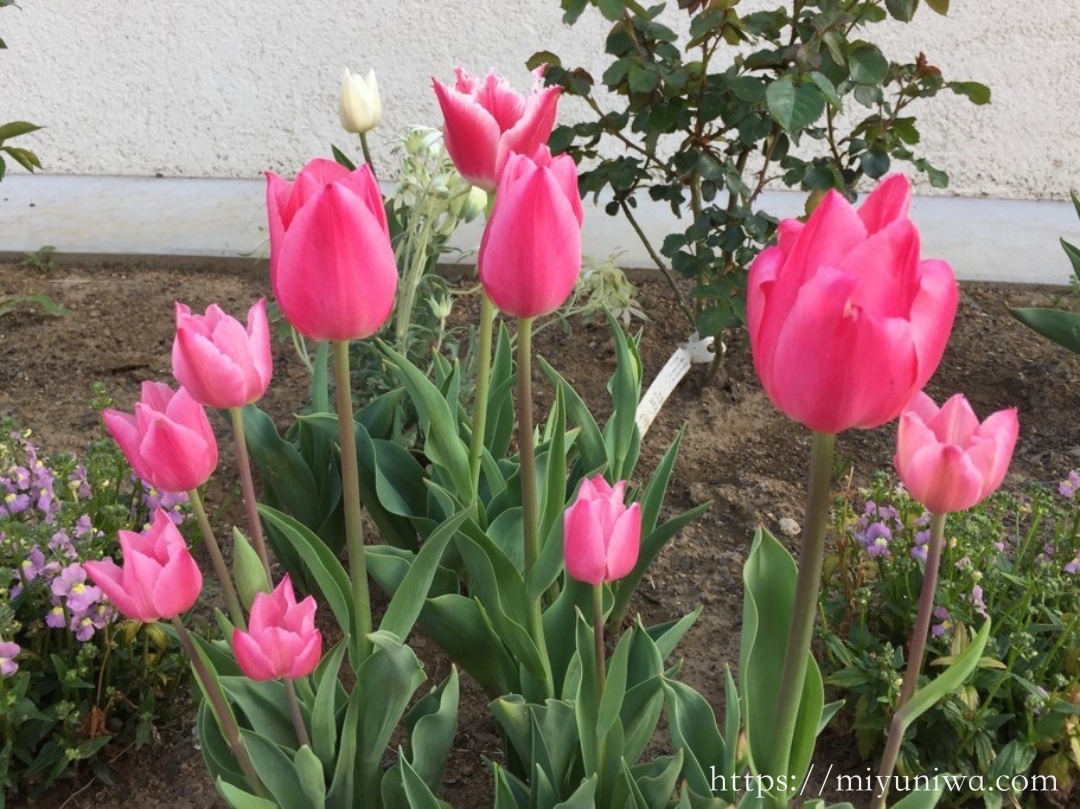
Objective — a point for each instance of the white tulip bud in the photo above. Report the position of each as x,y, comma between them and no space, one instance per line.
360,107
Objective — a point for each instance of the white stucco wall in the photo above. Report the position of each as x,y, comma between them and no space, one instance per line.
206,88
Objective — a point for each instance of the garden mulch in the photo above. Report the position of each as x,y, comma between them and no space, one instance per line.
738,452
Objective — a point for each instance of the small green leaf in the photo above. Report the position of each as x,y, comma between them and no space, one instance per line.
17,128
342,158
867,64
611,9
975,92
793,106
902,10
940,6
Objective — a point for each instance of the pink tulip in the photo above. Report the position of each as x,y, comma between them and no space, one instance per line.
218,361
845,321
486,120
281,640
530,254
601,536
168,441
159,578
332,268
946,459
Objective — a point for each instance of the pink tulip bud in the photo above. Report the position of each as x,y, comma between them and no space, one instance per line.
845,321
168,442
159,578
601,536
332,268
486,120
946,459
218,361
281,640
530,254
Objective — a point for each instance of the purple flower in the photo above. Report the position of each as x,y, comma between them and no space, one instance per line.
946,624
1068,487
15,503
8,652
56,618
875,539
84,526
34,565
976,598
78,483
61,544
83,627
71,584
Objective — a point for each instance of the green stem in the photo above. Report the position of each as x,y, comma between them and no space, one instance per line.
221,570
248,486
916,652
483,383
367,153
225,720
294,712
801,634
529,508
350,487
598,638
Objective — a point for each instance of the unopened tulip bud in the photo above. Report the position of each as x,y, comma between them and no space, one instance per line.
475,203
359,107
248,570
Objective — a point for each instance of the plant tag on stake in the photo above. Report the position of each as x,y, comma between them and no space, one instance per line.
695,350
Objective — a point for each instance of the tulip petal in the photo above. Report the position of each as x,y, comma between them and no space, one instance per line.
307,659
886,204
250,657
211,375
259,341
180,459
624,544
338,241
932,315
471,135
864,369
1000,430
125,432
955,423
583,546
141,573
887,265
530,254
532,128
943,478
178,585
108,577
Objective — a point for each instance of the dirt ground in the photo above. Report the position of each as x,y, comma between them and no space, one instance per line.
738,452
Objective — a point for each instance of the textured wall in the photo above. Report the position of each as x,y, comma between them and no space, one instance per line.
207,88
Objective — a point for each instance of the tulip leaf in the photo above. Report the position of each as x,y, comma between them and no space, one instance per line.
666,636
274,768
622,439
309,771
219,759
387,679
553,490
584,796
417,792
432,724
342,793
640,713
947,682
590,443
239,799
264,707
388,567
324,712
442,444
324,566
408,599
794,106
499,427
1060,326
614,687
693,728
922,799
461,627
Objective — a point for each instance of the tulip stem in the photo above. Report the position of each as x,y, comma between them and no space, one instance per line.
801,633
294,712
529,510
916,652
350,486
598,638
221,570
248,486
483,382
226,722
367,154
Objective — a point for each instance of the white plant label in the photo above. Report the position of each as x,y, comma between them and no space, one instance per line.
694,351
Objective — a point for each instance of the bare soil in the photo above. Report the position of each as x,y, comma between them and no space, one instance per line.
738,452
